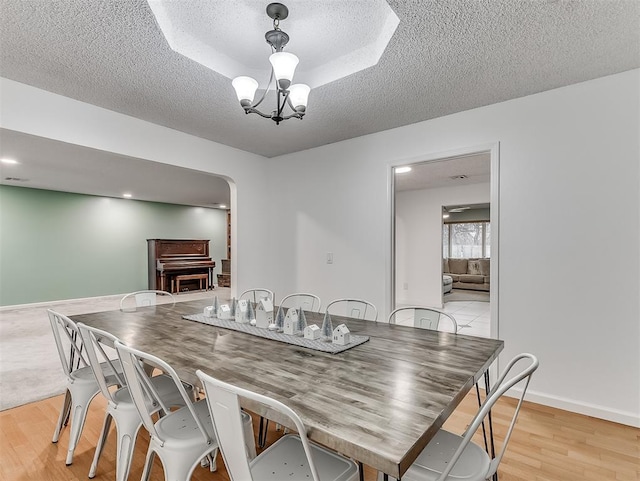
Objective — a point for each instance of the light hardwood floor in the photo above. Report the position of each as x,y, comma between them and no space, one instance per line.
547,445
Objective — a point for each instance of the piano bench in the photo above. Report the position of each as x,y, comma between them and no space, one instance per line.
190,277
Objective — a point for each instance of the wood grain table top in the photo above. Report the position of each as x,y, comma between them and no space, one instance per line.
379,403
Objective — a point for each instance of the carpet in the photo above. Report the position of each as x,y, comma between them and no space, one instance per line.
30,368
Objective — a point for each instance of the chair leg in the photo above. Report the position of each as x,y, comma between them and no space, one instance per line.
106,425
127,428
64,414
151,454
249,438
78,417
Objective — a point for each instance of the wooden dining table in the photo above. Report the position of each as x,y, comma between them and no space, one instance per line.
379,402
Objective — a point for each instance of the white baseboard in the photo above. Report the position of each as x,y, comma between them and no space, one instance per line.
593,410
63,301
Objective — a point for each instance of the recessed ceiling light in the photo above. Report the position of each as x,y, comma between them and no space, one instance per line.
445,216
403,170
8,161
127,195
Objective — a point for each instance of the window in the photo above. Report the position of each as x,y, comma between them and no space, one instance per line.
466,239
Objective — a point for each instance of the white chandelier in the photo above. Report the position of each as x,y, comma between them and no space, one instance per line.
283,65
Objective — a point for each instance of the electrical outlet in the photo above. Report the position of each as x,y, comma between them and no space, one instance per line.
329,257
405,286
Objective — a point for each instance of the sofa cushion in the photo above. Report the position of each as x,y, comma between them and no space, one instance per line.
471,278
487,279
445,265
458,266
473,267
485,267
455,277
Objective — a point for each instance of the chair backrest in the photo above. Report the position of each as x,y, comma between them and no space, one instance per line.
144,395
302,300
143,299
501,386
423,318
358,308
254,295
99,345
222,399
68,341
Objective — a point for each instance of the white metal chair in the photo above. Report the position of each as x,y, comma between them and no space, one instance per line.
423,318
357,308
181,438
120,406
302,300
254,295
133,300
81,382
450,457
292,457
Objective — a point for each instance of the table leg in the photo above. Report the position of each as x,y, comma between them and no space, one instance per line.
487,386
484,431
262,432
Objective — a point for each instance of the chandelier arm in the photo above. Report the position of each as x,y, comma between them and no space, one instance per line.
281,104
251,110
293,108
265,91
297,115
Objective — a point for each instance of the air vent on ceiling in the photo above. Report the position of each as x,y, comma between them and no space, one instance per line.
458,177
16,179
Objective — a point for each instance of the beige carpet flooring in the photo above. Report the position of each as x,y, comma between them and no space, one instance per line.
30,368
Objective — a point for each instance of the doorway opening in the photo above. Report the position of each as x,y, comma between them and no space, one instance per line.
443,208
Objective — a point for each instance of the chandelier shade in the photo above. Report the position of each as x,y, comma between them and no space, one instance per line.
299,95
245,89
283,66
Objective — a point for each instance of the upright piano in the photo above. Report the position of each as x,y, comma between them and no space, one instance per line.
169,258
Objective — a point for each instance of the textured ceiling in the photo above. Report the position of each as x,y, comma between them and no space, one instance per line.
444,57
353,37
53,165
453,172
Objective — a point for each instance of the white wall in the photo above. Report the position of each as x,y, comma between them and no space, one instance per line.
37,112
419,239
569,230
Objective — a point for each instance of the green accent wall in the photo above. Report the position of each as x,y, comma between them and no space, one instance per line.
57,245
